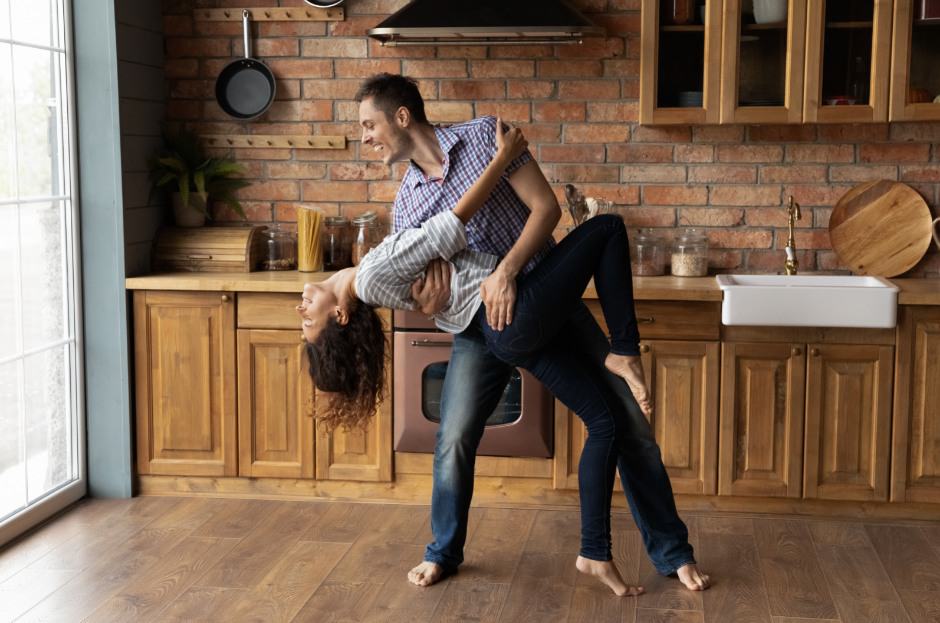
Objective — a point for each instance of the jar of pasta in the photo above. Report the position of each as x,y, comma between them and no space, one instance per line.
690,254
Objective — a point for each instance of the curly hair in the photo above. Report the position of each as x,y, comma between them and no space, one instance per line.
348,361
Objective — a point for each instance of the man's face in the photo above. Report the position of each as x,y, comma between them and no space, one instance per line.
388,137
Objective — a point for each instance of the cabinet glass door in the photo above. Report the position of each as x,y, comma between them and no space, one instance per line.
680,57
762,61
915,81
848,52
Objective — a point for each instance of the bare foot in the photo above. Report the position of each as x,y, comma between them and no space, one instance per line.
606,572
426,574
630,369
693,579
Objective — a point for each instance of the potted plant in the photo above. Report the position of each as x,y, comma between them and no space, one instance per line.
183,165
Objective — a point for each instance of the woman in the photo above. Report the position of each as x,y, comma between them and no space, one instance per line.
346,346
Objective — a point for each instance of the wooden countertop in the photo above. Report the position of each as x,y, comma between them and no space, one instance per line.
913,291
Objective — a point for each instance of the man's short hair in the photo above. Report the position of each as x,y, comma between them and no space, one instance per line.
389,92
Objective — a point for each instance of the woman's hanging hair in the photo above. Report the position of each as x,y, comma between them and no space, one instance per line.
348,362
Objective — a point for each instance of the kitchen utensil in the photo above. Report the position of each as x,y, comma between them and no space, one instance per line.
323,4
928,10
577,207
933,230
245,88
880,228
770,11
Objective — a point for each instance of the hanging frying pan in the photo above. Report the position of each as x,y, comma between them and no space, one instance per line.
323,4
245,88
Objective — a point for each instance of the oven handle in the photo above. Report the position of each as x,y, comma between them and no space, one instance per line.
431,343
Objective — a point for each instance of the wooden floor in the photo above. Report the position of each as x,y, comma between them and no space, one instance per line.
203,559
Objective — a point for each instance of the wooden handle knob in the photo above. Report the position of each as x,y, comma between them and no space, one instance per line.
644,348
796,351
225,298
814,352
646,320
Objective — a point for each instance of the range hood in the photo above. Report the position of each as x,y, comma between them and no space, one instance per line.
484,22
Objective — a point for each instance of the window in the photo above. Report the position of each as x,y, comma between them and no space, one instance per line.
41,420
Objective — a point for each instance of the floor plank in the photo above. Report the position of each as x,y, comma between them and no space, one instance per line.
470,601
859,586
737,592
494,550
906,556
794,582
542,589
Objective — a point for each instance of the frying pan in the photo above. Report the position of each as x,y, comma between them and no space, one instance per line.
246,87
323,4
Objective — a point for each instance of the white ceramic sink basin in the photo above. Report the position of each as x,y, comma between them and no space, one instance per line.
808,301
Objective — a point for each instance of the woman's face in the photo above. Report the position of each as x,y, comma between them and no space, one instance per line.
317,305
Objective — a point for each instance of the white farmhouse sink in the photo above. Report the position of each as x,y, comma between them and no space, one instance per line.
808,301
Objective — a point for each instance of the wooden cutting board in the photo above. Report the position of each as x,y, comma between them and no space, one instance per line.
880,228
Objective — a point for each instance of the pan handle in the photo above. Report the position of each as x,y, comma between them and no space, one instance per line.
245,26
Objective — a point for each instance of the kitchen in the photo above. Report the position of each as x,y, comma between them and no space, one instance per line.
677,115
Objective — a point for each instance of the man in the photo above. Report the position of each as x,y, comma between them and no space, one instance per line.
515,224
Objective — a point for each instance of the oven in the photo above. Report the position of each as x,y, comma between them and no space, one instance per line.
520,425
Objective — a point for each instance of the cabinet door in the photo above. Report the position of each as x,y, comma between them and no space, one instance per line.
185,383
915,469
358,454
275,405
915,81
684,379
680,65
762,65
761,435
848,55
848,410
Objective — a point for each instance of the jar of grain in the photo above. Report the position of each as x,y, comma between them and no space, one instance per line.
649,254
281,250
336,243
690,254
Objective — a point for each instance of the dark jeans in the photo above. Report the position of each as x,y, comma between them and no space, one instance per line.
571,364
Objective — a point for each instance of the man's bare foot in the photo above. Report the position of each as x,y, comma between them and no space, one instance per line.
606,572
693,579
426,574
630,369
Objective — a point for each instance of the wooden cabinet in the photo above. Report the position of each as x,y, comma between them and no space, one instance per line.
825,62
915,463
761,435
185,383
915,81
848,422
276,407
811,426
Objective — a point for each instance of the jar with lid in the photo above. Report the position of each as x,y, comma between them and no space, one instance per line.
336,243
649,254
366,234
280,250
690,254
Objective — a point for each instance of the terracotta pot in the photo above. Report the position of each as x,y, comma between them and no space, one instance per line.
193,215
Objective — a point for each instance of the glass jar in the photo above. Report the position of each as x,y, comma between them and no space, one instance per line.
690,254
366,234
336,243
649,254
281,250
678,11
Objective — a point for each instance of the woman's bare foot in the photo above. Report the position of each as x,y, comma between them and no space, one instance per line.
630,369
426,574
606,572
693,579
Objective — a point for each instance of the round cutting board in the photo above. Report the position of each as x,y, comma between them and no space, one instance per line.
880,228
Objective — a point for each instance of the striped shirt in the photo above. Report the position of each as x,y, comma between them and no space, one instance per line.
385,274
468,149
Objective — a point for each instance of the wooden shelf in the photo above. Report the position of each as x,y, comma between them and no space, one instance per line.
849,25
275,141
773,26
272,14
926,23
684,28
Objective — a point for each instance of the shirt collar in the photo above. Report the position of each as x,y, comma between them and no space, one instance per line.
447,140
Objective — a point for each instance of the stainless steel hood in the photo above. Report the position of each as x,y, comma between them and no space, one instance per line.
484,22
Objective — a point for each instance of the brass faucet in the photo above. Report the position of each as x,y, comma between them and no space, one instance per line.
793,215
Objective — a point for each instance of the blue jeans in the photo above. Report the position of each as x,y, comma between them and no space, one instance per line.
571,364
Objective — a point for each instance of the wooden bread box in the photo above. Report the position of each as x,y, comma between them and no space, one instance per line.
209,249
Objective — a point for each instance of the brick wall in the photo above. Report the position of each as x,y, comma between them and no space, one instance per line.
578,106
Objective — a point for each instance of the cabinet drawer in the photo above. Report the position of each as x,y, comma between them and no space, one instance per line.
672,320
269,310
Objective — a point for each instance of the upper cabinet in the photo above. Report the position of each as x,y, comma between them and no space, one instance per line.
915,81
788,61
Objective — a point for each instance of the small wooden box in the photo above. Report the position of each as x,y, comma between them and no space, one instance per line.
208,249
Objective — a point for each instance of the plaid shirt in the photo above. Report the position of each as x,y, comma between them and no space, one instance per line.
468,148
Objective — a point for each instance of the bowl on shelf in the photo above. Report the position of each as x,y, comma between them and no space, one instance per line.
839,100
770,11
690,99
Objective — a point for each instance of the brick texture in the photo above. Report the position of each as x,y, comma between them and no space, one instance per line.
578,106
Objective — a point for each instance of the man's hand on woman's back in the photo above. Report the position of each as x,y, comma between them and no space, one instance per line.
432,292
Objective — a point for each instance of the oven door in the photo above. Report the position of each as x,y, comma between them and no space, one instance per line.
521,424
